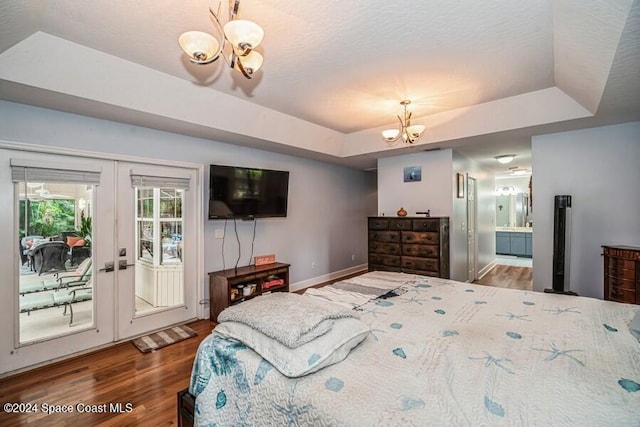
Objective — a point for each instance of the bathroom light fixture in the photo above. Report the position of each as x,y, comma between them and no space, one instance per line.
407,132
243,36
506,158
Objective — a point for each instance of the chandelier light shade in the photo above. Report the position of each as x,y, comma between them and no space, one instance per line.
243,34
505,158
202,48
406,132
240,35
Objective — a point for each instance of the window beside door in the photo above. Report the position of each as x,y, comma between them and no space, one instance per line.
159,273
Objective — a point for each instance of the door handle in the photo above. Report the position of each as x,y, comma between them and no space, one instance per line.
108,267
122,264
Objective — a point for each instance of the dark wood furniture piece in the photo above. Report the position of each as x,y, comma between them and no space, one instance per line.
622,273
186,408
224,285
410,245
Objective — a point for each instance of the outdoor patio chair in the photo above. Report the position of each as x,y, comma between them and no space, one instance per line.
59,298
49,256
78,277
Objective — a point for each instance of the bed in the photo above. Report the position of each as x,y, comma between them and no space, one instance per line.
436,352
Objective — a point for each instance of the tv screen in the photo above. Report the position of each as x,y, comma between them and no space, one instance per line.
238,192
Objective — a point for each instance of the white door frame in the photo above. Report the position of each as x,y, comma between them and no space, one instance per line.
472,228
14,357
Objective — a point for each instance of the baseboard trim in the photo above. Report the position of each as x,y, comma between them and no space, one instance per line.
487,269
304,284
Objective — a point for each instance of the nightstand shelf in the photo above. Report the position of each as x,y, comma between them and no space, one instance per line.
226,286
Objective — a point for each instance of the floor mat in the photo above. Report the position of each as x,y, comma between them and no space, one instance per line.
163,338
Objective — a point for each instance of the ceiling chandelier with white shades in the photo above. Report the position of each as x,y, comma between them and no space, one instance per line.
241,35
406,132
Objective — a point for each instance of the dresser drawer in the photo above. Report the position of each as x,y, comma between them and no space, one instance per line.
378,224
420,237
388,260
421,272
376,267
430,251
426,225
414,263
399,224
621,283
621,294
385,236
629,274
384,248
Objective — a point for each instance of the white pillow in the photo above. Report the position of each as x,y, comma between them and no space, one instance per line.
327,349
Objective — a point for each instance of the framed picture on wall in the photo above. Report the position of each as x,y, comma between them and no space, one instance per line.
460,185
413,174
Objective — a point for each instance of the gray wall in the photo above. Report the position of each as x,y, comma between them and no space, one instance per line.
600,169
327,209
437,192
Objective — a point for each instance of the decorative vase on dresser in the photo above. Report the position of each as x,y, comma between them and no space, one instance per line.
622,273
410,245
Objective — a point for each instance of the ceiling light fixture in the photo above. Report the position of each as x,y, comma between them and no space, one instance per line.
407,132
506,158
243,37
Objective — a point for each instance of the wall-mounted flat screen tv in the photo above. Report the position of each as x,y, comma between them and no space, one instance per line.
239,192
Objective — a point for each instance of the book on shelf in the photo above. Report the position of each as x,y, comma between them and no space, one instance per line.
273,283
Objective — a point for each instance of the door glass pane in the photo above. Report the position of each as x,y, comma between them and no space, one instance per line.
54,237
159,277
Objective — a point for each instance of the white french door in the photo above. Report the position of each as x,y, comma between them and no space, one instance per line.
81,271
157,243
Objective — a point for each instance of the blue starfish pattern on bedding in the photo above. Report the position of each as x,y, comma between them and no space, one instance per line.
291,411
512,316
555,353
564,310
414,300
490,360
609,328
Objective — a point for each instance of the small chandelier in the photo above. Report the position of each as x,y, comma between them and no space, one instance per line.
407,132
243,36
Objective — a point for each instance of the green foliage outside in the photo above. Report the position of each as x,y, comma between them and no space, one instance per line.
46,217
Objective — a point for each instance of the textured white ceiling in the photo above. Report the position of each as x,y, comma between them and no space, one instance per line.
342,66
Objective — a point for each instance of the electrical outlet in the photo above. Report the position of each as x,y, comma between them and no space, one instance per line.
219,233
313,264
353,257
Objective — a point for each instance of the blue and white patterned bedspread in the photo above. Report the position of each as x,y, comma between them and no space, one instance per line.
444,353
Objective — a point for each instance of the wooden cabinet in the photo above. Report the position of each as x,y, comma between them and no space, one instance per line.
227,287
622,273
514,243
409,245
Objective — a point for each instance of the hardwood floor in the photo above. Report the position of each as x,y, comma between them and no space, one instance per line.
507,276
118,374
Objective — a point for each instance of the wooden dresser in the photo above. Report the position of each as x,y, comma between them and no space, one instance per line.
409,245
622,273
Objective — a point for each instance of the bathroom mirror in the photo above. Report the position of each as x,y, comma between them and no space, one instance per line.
512,210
